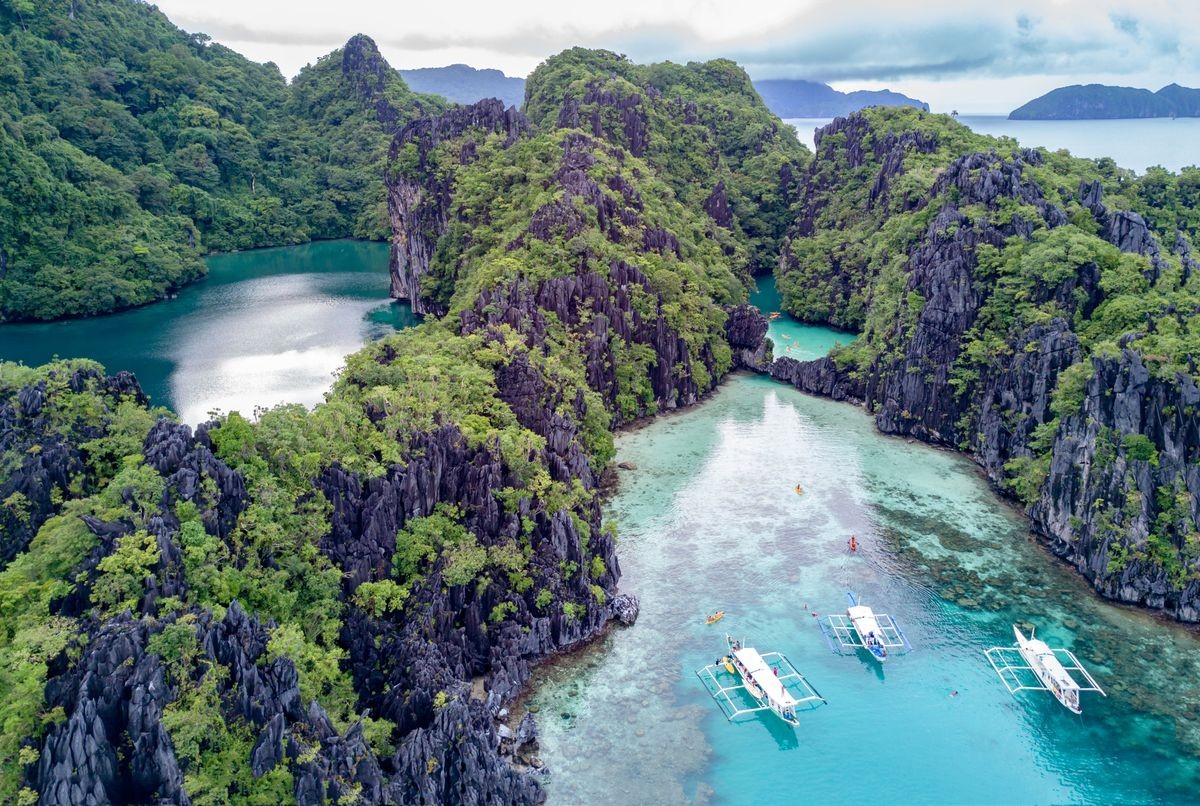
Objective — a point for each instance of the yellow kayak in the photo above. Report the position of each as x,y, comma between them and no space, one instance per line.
728,665
715,617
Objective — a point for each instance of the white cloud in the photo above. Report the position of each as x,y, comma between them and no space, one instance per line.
1014,49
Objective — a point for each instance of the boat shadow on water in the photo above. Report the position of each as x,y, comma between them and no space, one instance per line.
869,663
783,733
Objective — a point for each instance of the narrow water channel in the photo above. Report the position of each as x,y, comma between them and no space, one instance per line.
710,519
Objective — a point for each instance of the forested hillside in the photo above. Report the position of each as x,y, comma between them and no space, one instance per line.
333,606
336,605
1036,310
129,149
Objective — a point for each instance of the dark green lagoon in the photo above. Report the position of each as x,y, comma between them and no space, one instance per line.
267,326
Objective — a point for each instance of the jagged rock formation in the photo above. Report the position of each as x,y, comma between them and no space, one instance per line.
336,605
965,350
1124,471
619,312
113,699
702,128
606,301
367,73
746,331
46,455
820,377
419,200
112,747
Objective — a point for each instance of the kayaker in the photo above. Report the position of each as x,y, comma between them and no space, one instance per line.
853,543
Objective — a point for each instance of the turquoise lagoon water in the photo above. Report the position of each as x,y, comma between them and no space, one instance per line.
791,337
266,326
1133,143
709,520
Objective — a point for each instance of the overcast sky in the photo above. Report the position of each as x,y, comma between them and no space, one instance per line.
965,55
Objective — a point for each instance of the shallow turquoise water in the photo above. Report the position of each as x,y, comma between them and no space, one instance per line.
791,337
266,326
709,520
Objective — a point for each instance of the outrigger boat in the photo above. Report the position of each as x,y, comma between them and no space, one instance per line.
770,679
1051,668
863,628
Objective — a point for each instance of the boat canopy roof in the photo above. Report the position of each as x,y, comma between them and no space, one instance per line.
864,621
1051,664
760,672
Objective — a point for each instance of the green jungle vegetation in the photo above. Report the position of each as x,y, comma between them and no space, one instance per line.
487,246
686,119
129,149
869,243
389,396
147,147
851,269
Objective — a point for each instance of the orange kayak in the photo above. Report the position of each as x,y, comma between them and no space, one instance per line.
715,617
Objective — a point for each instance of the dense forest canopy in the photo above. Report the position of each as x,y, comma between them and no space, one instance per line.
690,122
294,607
333,605
129,149
1037,310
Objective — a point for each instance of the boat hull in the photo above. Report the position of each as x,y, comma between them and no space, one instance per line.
754,689
1030,650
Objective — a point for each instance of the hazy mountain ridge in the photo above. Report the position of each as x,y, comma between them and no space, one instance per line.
1105,102
464,84
786,97
797,98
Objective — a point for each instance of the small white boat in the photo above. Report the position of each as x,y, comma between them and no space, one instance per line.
863,628
1051,668
765,677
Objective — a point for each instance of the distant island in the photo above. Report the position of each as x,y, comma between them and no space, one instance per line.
465,84
796,98
787,98
1100,101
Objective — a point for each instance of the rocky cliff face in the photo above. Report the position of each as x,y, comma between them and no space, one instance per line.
603,301
912,387
112,746
612,323
703,129
746,332
1120,498
592,223
419,199
1109,482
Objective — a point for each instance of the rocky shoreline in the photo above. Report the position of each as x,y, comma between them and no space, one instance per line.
444,504
1131,439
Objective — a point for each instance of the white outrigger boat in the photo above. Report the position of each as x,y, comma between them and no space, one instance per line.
863,628
769,678
1051,668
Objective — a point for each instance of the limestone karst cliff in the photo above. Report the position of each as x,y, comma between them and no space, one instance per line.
1012,310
